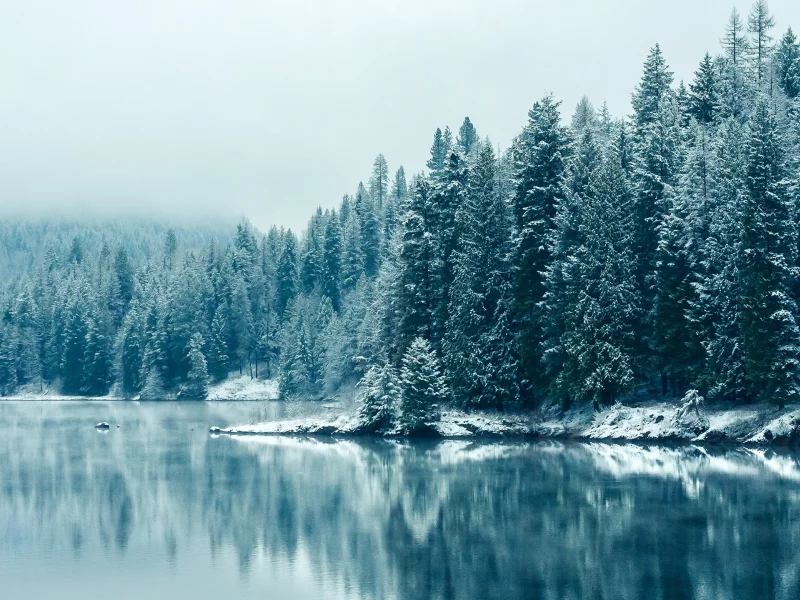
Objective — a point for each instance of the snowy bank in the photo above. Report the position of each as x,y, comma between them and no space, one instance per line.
655,421
244,388
239,387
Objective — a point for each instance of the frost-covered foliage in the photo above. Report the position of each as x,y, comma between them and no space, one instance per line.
379,394
196,387
587,261
423,388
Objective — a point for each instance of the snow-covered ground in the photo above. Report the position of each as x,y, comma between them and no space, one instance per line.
244,388
35,391
238,387
655,421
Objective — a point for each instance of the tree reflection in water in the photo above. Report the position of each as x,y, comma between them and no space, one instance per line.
398,520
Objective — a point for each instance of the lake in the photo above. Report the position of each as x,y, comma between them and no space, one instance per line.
158,508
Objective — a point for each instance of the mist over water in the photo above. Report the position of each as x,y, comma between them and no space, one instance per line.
159,509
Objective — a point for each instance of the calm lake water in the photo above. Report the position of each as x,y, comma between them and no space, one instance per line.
160,509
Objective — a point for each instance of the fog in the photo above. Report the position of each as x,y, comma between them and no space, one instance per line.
271,108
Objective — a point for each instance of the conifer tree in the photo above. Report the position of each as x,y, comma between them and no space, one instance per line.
132,342
196,387
74,340
218,359
651,90
9,343
480,293
241,325
787,58
539,175
759,24
352,262
467,137
438,152
26,315
423,389
369,233
654,166
716,314
170,249
395,207
770,337
418,267
286,274
449,193
379,395
584,116
592,294
735,91
703,92
332,257
379,182
124,283
311,262
97,361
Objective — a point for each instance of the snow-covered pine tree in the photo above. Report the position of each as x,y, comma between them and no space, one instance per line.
654,165
74,340
196,386
311,260
9,342
564,276
370,230
241,325
449,193
467,137
286,274
585,116
438,152
379,182
787,64
770,337
26,315
331,261
539,177
132,346
394,207
611,305
379,396
418,266
703,91
423,389
479,293
218,359
352,253
97,362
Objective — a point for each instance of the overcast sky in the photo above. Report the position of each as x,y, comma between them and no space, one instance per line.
270,108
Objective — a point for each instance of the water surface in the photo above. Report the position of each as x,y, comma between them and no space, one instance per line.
157,508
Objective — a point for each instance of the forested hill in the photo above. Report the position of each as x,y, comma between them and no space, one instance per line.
25,243
591,260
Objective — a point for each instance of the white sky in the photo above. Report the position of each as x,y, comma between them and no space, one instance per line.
271,108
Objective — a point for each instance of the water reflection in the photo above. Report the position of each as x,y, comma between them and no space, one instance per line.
308,518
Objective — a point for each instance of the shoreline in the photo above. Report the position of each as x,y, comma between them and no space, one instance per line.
758,425
236,388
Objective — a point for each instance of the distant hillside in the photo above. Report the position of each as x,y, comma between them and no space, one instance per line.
25,242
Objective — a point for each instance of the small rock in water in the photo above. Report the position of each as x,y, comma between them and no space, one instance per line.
101,425
214,430
117,425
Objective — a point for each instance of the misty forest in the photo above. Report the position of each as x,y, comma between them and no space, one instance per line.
597,259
